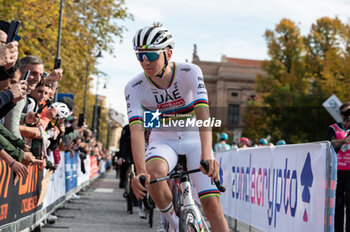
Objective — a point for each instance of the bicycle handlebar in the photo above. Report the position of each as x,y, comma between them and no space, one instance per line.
145,199
205,165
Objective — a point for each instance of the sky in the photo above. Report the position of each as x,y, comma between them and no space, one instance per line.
234,28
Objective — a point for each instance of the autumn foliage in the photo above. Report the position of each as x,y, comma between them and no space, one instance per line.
302,72
88,26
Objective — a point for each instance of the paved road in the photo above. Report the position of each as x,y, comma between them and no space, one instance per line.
100,208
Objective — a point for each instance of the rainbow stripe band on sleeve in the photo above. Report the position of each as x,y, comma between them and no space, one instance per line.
156,157
209,193
135,120
200,103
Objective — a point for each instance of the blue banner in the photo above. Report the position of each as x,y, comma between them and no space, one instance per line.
71,164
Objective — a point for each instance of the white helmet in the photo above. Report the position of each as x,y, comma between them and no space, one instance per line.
155,37
62,109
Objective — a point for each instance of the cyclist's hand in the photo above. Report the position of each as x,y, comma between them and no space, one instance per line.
137,187
120,161
214,168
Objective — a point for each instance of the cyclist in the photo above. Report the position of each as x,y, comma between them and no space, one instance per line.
170,89
222,145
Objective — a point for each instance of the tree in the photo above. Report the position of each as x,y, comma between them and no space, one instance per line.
301,74
88,26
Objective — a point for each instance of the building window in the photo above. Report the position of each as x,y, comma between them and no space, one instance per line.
234,94
233,114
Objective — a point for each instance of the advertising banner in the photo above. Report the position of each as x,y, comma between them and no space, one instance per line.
93,166
57,184
20,200
84,176
282,188
71,168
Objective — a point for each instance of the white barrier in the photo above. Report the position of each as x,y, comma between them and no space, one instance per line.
282,188
57,184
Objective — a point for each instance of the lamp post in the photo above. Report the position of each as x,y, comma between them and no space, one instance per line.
58,59
97,107
99,55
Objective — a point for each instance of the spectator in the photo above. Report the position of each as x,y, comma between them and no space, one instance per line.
337,134
222,145
11,92
281,142
125,155
37,98
243,143
263,142
14,118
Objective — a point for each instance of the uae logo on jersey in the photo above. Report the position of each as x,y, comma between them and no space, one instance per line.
151,119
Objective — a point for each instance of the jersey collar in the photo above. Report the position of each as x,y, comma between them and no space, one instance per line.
171,79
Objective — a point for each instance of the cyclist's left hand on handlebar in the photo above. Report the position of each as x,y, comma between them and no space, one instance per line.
214,167
139,190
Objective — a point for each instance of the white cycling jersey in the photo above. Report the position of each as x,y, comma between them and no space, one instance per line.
185,92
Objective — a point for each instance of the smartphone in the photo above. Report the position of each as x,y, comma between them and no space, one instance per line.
57,63
47,104
13,30
26,75
81,120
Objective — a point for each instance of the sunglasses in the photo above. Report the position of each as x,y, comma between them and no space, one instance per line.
345,112
150,56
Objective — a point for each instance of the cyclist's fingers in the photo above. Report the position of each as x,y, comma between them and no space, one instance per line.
137,184
139,193
211,167
203,170
215,175
136,190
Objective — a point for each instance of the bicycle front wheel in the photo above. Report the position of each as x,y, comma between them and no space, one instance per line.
177,198
190,223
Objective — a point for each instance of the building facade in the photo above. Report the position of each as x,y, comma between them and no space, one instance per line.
230,84
116,121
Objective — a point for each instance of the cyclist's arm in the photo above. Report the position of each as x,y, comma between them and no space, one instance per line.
202,113
138,147
138,152
336,143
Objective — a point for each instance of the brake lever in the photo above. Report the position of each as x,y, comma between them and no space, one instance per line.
205,165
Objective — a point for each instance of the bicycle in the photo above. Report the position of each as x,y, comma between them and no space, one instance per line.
191,218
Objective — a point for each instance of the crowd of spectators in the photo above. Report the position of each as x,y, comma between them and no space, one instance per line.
34,124
244,142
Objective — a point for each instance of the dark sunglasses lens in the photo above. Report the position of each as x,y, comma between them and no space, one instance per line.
151,56
345,112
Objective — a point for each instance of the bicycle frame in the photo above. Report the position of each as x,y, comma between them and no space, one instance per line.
189,205
191,218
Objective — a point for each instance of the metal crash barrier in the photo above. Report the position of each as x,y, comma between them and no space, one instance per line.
280,188
25,205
